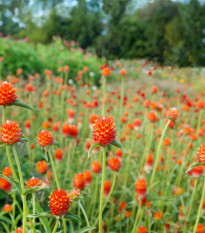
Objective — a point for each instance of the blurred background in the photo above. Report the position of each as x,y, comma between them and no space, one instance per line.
165,31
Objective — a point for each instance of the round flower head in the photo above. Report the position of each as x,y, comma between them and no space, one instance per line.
114,163
7,93
107,187
58,154
201,153
96,167
7,208
19,230
59,202
142,229
104,131
7,171
79,181
88,177
10,133
45,138
5,185
42,167
172,113
200,228
33,182
141,187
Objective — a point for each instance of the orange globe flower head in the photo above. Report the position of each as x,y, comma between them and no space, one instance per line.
123,72
58,154
7,93
66,68
172,113
7,208
141,187
114,163
106,72
142,229
45,138
45,125
197,171
56,126
158,215
59,202
19,71
96,167
33,182
200,228
5,185
74,194
88,177
167,141
79,181
7,171
104,131
19,230
152,117
119,153
27,124
10,133
42,167
107,187
201,153
122,206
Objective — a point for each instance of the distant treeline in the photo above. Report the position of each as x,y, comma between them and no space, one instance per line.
171,33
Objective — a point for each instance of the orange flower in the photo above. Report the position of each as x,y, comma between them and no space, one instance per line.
7,208
96,167
73,194
79,181
200,228
7,171
158,215
5,185
152,117
7,93
33,182
141,187
118,153
123,72
42,167
127,214
10,133
142,229
88,177
172,113
201,153
114,164
19,230
27,124
104,131
59,154
107,187
45,138
106,72
59,202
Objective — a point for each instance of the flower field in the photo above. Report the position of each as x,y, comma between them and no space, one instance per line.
89,145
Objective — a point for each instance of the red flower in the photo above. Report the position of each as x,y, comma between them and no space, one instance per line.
114,163
88,177
172,113
107,187
10,133
33,182
7,93
104,131
58,154
7,171
45,138
142,229
19,230
141,187
69,130
201,153
59,202
200,228
7,208
79,181
42,167
96,167
5,185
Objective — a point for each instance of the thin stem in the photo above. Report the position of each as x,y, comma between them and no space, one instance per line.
11,164
103,94
158,153
122,96
200,207
34,209
54,169
64,226
55,227
137,216
102,190
84,213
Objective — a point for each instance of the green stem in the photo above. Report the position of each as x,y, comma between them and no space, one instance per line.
34,210
103,94
11,164
84,213
158,153
137,216
200,207
64,226
22,187
55,227
102,190
54,169
122,96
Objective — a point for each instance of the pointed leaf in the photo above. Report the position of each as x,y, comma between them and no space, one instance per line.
95,145
24,139
193,165
44,221
23,105
41,215
33,190
86,229
73,217
118,144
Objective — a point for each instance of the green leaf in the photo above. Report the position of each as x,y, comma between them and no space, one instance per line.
72,217
2,146
33,190
44,221
86,229
41,215
95,145
16,184
6,219
193,165
55,143
23,105
24,139
118,144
